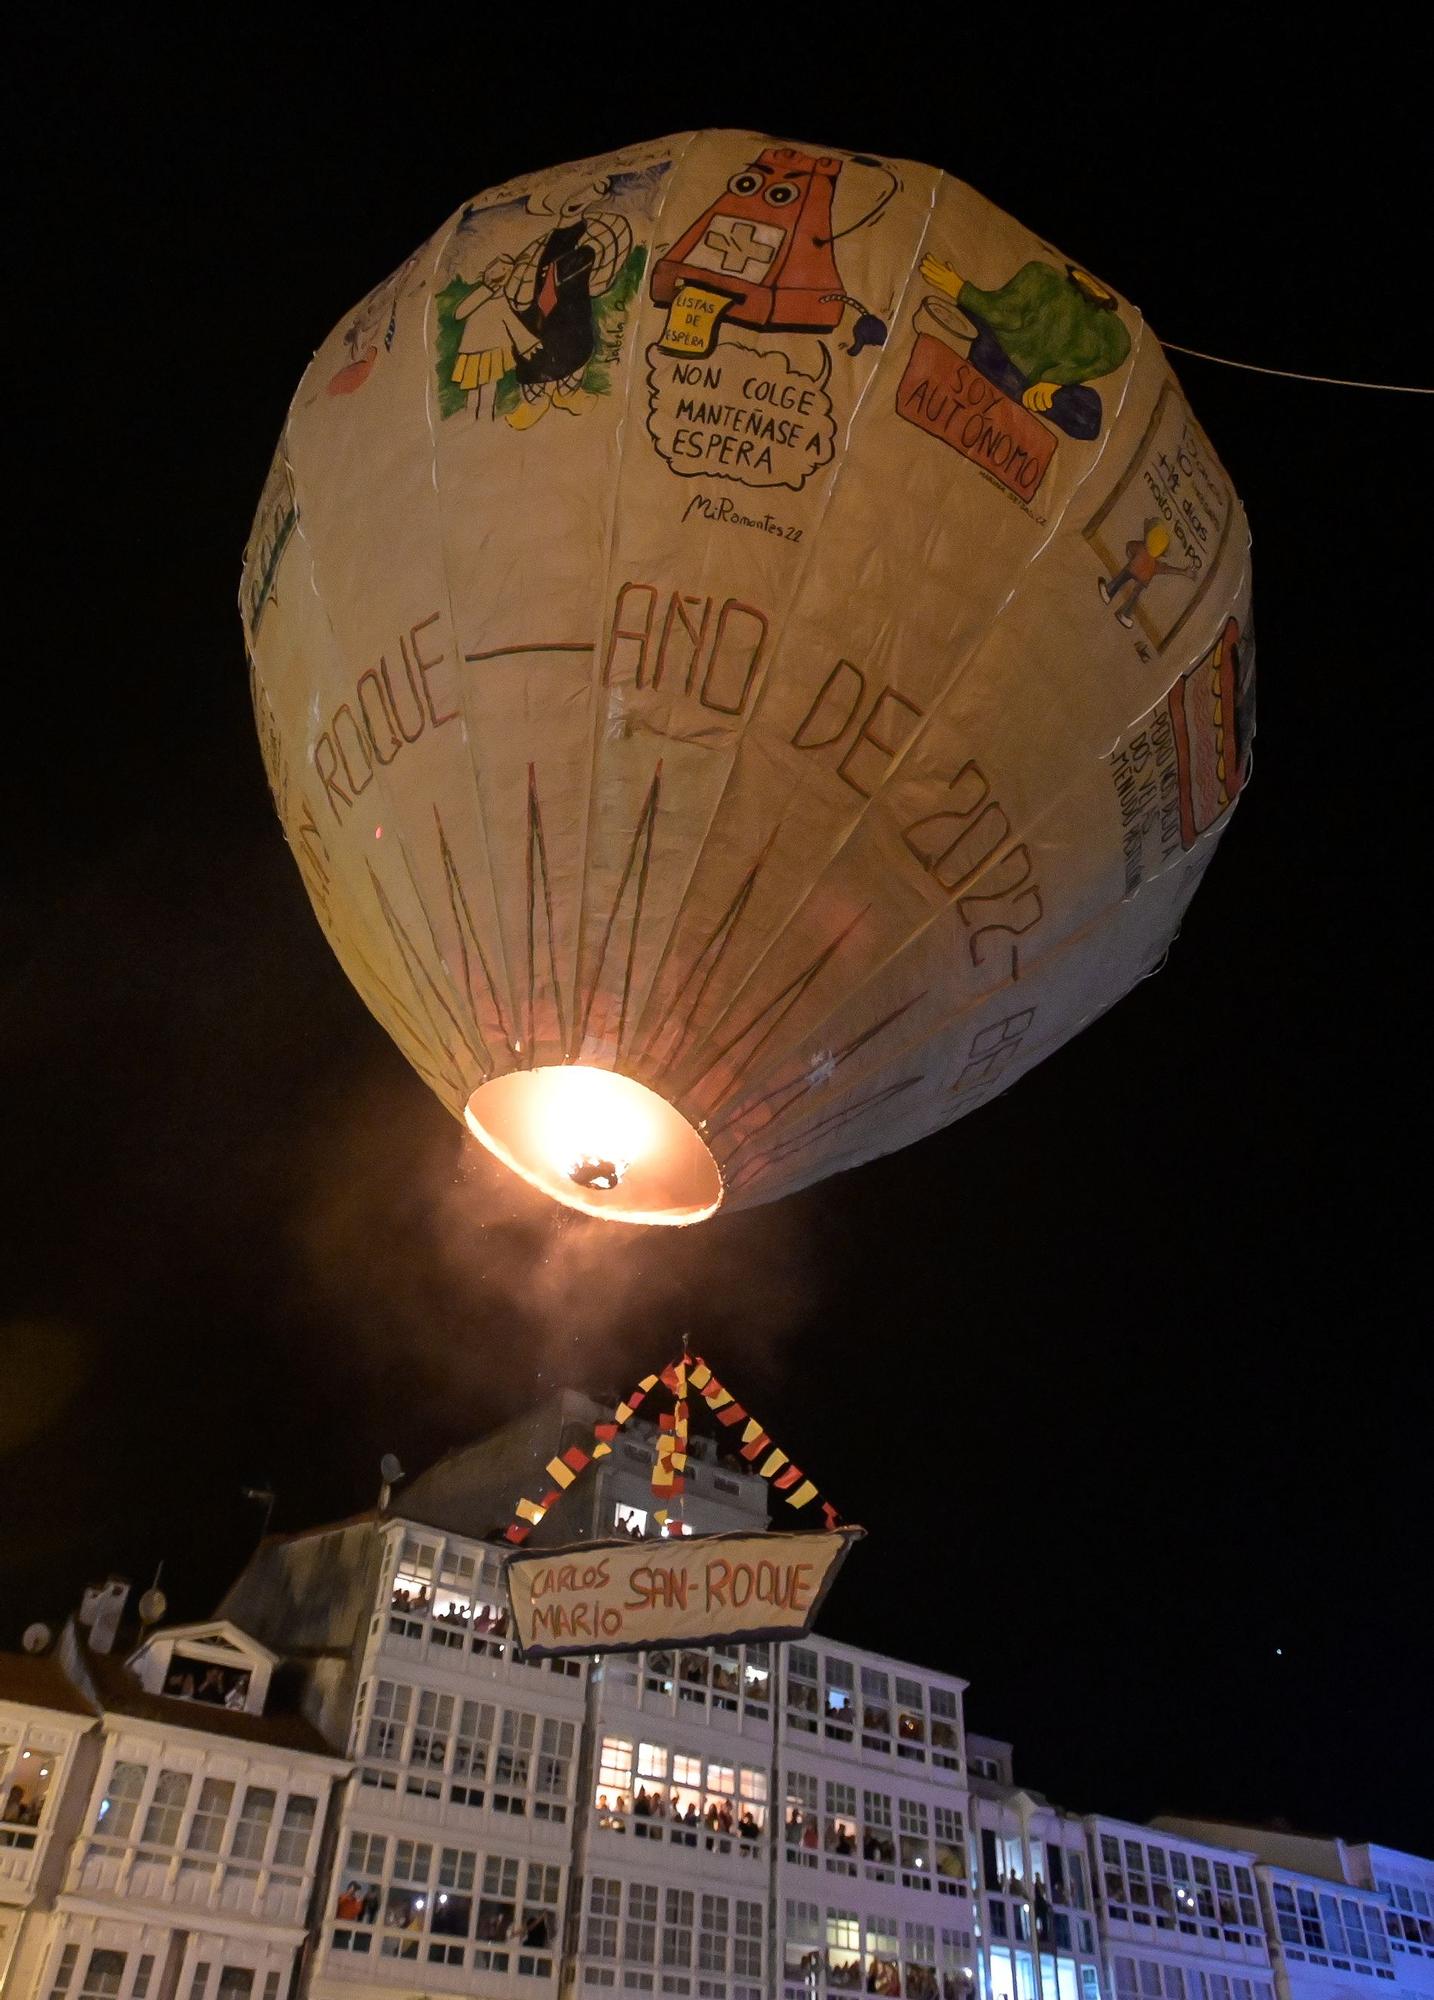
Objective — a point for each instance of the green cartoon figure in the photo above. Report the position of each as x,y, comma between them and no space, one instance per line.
1042,338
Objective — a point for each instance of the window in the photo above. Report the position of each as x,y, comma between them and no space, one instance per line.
295,1831
840,1701
911,1717
540,1912
511,1761
628,1520
555,1756
803,1943
920,1961
431,1732
950,1850
143,1973
677,1927
915,1841
956,1981
206,1829
639,1944
236,1982
27,1775
471,1745
413,1585
255,1817
166,1808
190,1678
945,1729
452,1910
713,1929
498,1906
64,1971
756,1679
199,1985
883,1956
103,1976
803,1823
122,1795
802,1687
392,1703
747,1940
844,1949
875,1708
841,1820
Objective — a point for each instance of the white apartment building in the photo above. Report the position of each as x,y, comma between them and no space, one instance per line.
1180,1918
350,1786
45,1727
1346,1922
1406,1884
695,1824
176,1854
1035,1924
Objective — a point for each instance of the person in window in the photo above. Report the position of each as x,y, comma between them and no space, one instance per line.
747,1827
350,1905
642,1804
535,1930
235,1697
15,1806
809,1836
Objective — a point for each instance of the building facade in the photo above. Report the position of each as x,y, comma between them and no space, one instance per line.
175,1855
1345,1922
351,1783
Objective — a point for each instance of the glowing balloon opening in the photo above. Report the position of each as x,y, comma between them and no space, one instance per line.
598,1142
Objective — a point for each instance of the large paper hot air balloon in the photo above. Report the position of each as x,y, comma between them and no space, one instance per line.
751,650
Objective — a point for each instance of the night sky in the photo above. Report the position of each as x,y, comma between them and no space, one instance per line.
1124,1374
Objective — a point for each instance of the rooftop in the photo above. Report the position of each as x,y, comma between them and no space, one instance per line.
39,1681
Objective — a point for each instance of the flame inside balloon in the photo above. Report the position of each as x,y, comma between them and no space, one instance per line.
598,1142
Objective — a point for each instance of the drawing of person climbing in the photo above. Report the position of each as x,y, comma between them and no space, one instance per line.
1142,565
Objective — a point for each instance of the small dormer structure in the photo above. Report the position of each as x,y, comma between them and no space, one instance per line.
214,1663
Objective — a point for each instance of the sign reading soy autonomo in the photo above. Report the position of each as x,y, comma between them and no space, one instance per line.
616,1597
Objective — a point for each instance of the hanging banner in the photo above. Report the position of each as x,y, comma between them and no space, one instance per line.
619,1597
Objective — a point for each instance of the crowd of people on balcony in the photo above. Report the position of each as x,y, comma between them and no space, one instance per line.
446,1608
719,1817
450,1915
883,1975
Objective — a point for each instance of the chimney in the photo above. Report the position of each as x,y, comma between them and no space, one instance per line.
101,1609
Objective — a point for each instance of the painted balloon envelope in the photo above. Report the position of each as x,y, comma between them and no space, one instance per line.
757,656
